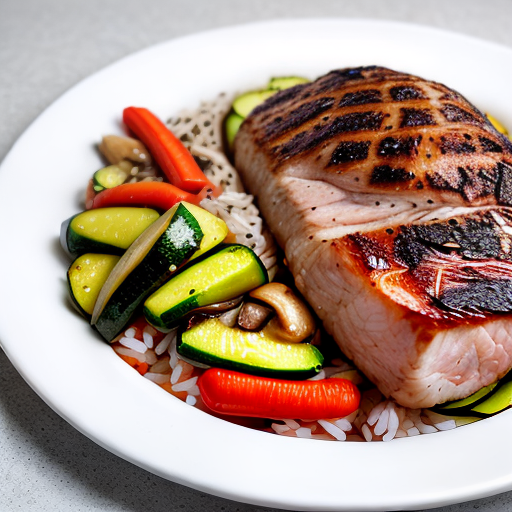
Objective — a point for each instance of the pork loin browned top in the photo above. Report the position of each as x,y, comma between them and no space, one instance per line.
391,197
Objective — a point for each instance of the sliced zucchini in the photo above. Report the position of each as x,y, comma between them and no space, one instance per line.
484,403
246,103
214,229
228,272
232,125
86,275
213,343
470,401
497,402
285,82
105,230
149,262
108,177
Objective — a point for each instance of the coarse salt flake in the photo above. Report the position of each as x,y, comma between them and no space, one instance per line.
180,233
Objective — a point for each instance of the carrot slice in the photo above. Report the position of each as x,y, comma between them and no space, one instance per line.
239,394
169,152
152,194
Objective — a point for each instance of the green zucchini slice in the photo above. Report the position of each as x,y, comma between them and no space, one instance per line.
105,230
497,402
213,343
108,177
214,229
148,263
86,275
229,272
232,125
285,82
484,403
246,103
469,402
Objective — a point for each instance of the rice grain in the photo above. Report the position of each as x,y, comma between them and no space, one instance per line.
185,385
176,374
122,351
375,413
130,333
134,344
303,432
332,429
162,366
344,424
292,424
157,378
191,400
148,339
151,358
164,344
367,433
280,429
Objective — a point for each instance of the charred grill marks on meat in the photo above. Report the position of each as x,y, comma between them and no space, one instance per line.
351,134
474,254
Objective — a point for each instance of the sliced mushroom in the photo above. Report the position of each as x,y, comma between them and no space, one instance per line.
220,307
229,317
293,321
252,316
115,149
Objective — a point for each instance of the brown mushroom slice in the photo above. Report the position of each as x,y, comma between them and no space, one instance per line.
227,312
219,307
229,318
115,149
293,321
253,316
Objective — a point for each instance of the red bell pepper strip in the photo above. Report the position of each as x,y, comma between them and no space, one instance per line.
239,394
152,194
168,151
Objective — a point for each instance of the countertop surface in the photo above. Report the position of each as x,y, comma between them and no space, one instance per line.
47,46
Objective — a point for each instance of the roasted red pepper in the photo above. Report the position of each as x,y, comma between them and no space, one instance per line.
239,394
151,194
172,156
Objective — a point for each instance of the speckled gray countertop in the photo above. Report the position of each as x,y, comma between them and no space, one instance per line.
47,46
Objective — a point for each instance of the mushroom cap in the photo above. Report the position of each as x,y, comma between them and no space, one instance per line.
293,322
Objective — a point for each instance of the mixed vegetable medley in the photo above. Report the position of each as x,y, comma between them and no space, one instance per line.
148,257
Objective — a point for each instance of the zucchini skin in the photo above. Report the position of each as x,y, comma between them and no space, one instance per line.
76,243
224,355
108,177
91,271
476,408
148,275
165,314
244,104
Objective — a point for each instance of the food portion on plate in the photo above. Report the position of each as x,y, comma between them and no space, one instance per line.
391,196
388,196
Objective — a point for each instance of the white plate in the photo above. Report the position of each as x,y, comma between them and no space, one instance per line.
82,379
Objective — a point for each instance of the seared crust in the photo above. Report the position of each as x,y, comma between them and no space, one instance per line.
375,129
458,269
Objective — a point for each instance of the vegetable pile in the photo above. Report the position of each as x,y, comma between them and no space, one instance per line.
146,253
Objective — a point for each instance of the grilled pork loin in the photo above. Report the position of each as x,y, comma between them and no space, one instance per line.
391,197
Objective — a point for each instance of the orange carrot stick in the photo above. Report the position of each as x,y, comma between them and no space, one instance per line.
172,156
